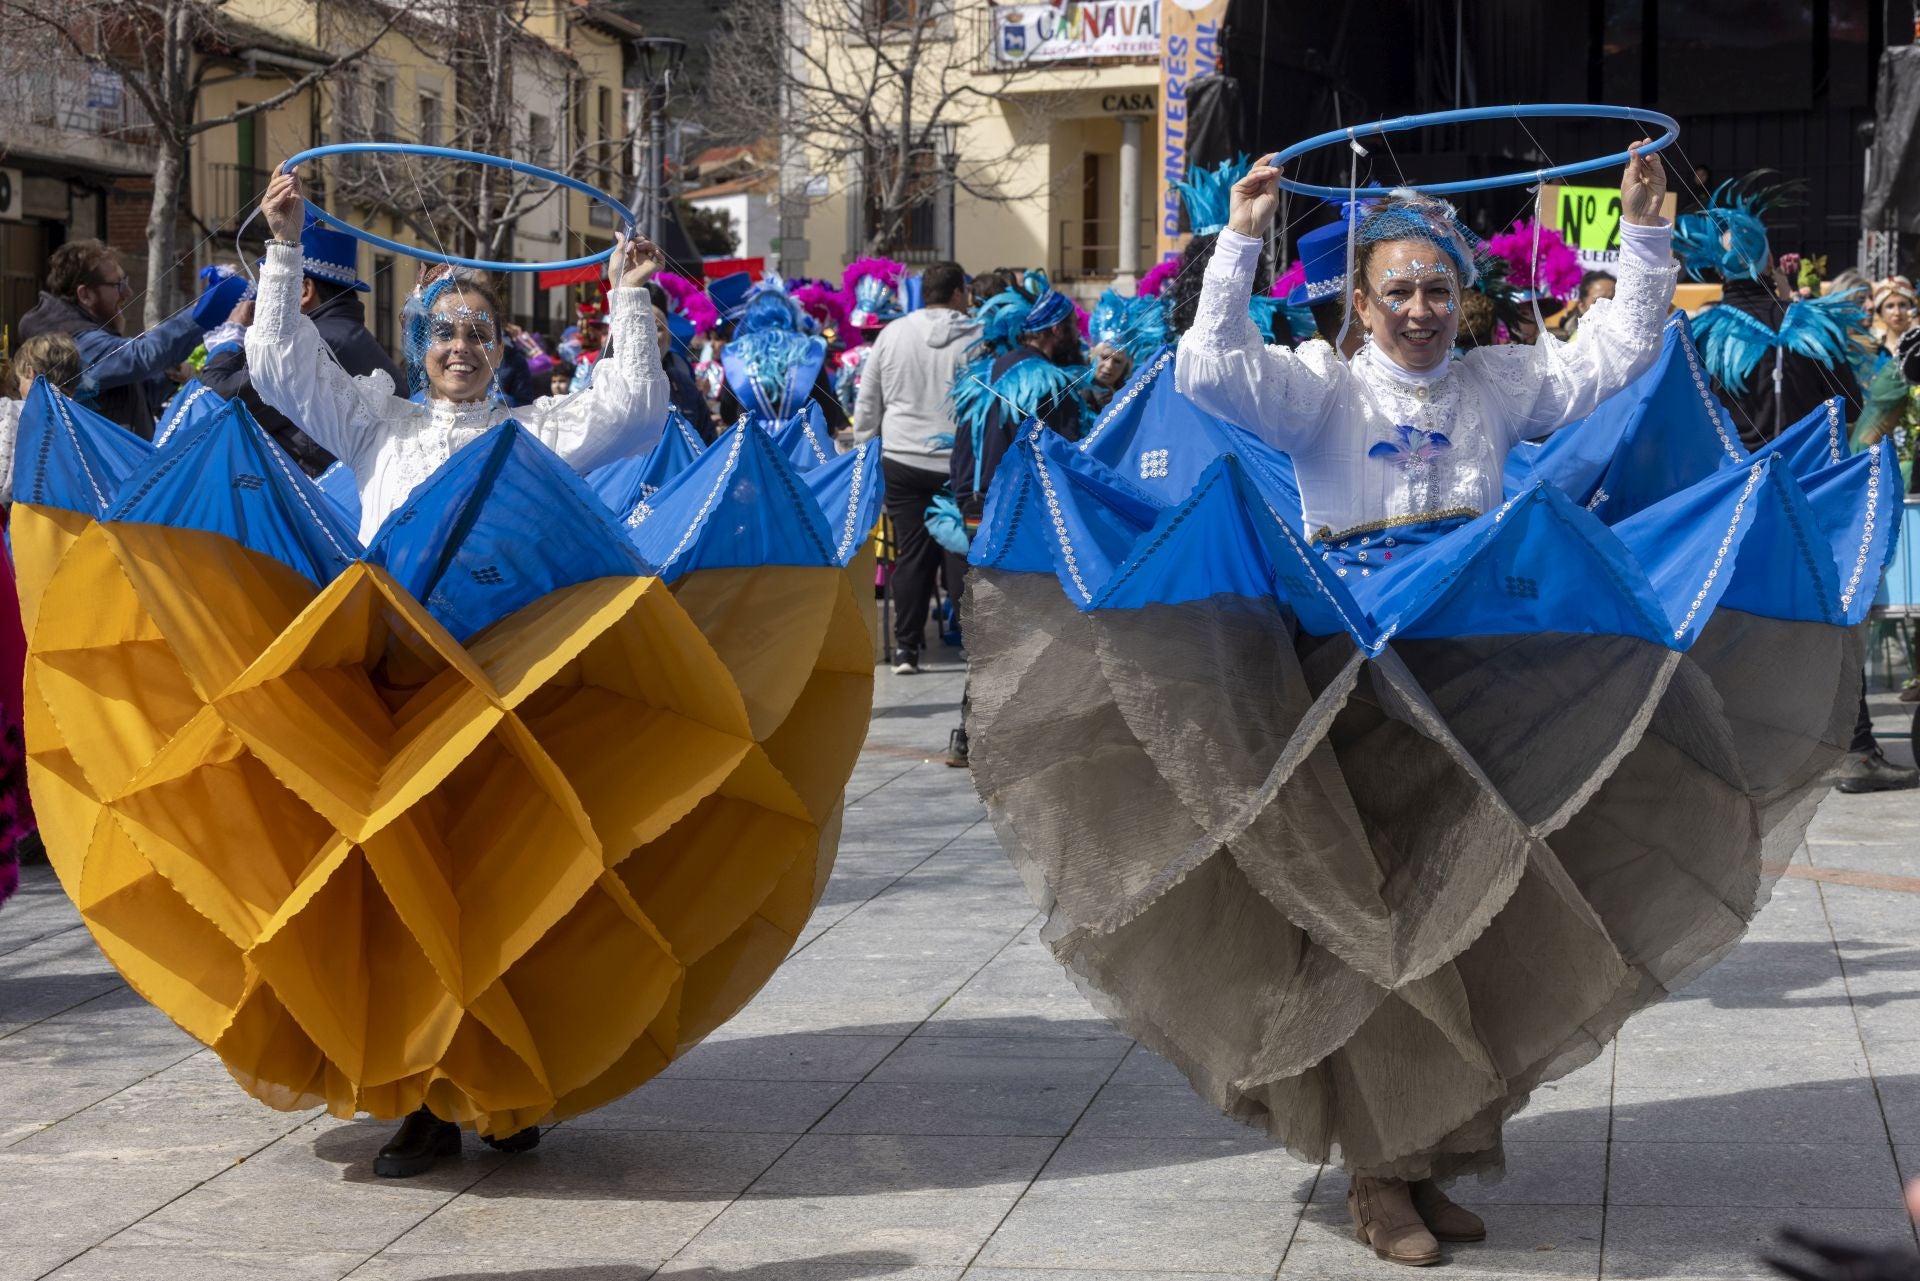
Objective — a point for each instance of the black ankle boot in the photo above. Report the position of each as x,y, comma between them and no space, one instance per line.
422,1139
520,1141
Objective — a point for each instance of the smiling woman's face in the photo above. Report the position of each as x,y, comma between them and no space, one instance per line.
463,346
1410,302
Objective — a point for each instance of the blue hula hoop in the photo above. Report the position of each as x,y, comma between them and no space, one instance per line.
1468,115
475,157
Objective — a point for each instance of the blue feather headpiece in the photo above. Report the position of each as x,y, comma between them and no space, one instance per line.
1727,238
1208,194
1137,326
1049,308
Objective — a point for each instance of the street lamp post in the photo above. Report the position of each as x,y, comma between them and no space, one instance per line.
659,58
950,159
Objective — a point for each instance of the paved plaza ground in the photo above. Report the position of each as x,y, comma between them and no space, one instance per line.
921,1094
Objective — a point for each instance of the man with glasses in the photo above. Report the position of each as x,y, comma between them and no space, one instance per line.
87,292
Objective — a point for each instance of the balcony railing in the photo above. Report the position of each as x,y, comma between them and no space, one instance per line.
1089,248
49,90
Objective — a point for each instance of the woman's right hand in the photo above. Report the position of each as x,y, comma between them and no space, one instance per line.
283,206
1256,198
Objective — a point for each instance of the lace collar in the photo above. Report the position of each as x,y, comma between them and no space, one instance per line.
459,411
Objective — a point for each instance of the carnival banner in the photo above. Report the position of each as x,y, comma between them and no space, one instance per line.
1028,33
1189,49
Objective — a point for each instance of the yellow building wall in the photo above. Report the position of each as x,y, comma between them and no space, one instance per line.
1031,137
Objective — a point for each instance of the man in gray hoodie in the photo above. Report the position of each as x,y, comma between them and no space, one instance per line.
903,400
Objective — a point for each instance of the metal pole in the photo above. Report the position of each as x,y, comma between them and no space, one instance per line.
657,161
953,228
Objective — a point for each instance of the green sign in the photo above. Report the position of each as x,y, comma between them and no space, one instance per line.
1588,217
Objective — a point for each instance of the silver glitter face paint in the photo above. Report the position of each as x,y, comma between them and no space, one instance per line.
475,323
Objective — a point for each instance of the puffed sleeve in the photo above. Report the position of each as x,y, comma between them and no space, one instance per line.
1553,382
294,371
624,410
1225,368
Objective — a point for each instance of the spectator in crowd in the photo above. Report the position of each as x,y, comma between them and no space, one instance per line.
904,401
1112,366
54,357
1049,333
518,381
1894,303
123,378
560,380
1594,286
330,289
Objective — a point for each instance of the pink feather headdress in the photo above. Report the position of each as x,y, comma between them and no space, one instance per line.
690,300
829,308
1156,279
1559,266
885,269
1294,275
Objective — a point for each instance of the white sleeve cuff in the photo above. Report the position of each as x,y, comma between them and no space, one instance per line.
1649,246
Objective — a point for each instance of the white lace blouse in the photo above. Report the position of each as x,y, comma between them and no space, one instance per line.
1373,442
392,444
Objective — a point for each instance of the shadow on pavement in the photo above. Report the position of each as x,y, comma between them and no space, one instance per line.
840,1267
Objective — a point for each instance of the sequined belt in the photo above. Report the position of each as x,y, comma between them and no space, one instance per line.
1326,535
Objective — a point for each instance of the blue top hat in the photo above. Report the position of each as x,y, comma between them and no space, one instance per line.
729,294
1323,252
329,255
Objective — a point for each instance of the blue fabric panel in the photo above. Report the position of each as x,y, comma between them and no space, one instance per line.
740,504
1228,539
69,457
804,438
1016,527
193,403
1816,442
342,489
622,485
225,475
1013,532
1861,514
1784,566
1677,540
1539,564
850,491
501,524
1653,438
1090,517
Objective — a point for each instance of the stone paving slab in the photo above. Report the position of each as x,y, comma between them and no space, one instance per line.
921,1094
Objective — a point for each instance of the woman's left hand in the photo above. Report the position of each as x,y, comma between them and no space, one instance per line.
633,261
1643,187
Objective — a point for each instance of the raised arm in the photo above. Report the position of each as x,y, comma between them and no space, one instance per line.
1552,383
290,365
113,361
1224,366
624,410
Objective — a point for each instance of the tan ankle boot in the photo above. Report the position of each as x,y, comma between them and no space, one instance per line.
1384,1218
1443,1218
